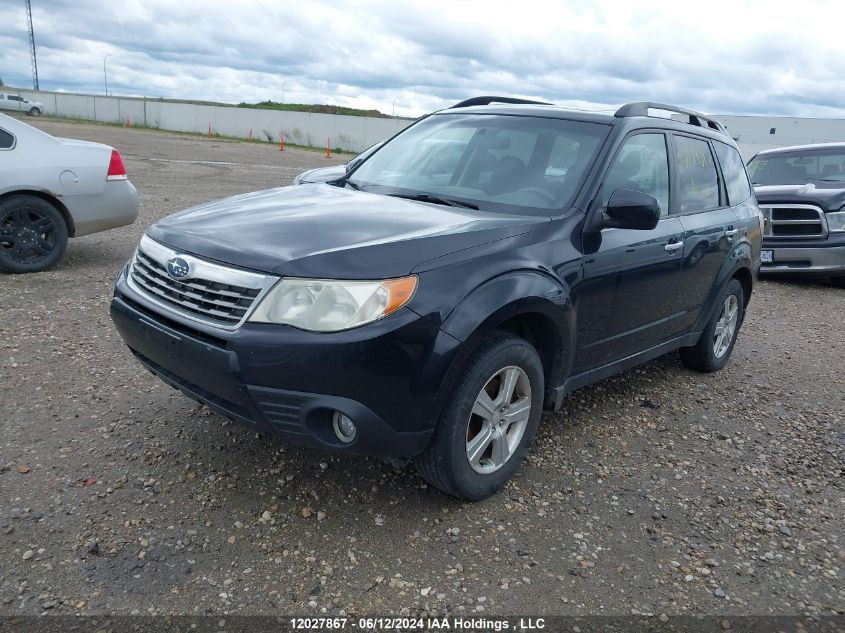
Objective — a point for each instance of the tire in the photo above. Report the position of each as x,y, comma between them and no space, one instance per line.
33,234
837,282
709,354
500,360
34,112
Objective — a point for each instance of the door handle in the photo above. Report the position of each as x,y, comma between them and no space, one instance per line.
671,247
730,233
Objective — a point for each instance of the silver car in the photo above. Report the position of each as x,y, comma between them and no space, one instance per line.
17,103
54,188
333,172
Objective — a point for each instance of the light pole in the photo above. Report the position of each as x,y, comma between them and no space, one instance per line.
283,89
105,75
394,106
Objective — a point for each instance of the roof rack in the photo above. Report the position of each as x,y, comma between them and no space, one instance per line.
477,101
641,108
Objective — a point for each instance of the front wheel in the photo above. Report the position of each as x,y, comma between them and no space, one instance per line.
33,234
488,422
34,112
714,348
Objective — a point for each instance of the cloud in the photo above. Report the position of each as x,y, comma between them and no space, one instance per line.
726,57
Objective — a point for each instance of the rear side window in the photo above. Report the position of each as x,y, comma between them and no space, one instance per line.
698,181
7,141
733,171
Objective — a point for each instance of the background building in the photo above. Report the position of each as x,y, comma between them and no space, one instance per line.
756,133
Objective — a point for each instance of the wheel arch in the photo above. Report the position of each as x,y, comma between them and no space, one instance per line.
529,304
744,276
736,267
53,200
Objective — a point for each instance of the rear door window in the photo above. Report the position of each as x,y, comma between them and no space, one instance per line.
698,180
733,171
7,141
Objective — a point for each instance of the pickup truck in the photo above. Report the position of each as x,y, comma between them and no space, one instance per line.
801,193
16,103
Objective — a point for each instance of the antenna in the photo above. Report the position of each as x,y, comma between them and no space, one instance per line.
32,45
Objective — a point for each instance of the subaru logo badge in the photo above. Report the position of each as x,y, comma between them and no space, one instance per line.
178,267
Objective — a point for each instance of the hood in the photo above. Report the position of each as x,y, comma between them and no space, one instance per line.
829,196
326,231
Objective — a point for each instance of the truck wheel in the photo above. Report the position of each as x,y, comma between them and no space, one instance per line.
34,112
33,234
714,348
488,422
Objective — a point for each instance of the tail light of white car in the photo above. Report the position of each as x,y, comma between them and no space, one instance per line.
116,169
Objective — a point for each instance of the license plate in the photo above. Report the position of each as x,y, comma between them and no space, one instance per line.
767,257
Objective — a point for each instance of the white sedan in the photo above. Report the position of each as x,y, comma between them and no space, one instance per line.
54,188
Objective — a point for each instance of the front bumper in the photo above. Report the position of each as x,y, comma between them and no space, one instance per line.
820,258
389,376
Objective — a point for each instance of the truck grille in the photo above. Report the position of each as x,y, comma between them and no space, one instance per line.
793,220
210,293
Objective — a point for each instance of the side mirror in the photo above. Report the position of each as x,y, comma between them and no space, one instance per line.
629,209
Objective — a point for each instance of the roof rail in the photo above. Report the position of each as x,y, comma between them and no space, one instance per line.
477,101
641,108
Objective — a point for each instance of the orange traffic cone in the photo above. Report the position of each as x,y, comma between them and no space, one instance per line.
328,151
281,141
209,130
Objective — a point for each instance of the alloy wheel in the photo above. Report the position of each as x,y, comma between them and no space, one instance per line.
498,420
726,326
27,235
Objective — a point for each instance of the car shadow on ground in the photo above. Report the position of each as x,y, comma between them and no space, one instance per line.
92,252
798,282
257,467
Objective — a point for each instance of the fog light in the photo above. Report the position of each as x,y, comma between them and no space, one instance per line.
344,427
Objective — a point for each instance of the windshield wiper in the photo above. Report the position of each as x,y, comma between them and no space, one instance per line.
352,184
428,197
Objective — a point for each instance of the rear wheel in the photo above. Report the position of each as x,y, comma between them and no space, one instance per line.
33,234
488,422
714,348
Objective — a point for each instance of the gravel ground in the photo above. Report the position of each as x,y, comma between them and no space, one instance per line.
658,491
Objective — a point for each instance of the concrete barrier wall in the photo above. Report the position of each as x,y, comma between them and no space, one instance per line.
350,133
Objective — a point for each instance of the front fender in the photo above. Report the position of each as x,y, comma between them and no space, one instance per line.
547,300
506,296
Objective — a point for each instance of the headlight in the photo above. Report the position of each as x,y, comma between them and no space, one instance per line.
328,305
836,221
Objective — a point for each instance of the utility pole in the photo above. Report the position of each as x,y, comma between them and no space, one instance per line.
32,45
105,74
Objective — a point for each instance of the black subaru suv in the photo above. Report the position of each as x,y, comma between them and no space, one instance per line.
801,192
476,268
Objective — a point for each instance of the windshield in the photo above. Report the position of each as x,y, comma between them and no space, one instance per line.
496,162
798,168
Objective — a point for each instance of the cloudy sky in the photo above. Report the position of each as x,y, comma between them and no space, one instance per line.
725,57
